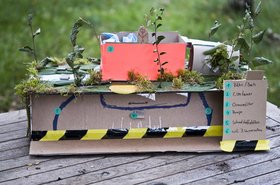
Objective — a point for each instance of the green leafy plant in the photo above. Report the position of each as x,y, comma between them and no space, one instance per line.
154,20
244,41
28,49
76,52
191,77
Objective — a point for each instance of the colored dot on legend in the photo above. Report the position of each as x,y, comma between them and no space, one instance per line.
227,122
228,85
228,131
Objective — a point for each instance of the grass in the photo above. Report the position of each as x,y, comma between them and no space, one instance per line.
55,18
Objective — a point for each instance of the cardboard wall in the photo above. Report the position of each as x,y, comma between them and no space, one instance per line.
105,111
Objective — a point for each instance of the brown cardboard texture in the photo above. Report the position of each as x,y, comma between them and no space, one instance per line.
113,111
245,108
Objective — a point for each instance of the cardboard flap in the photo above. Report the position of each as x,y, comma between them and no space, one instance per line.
245,108
255,75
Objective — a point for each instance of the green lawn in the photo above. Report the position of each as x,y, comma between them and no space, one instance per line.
56,17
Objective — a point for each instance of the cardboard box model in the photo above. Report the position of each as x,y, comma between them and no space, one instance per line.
182,121
117,58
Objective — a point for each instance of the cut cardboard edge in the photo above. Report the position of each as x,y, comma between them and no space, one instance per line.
70,147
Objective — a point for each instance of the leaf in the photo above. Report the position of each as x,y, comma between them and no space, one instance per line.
37,32
242,44
156,60
159,25
75,30
164,63
162,53
159,18
159,39
214,28
27,49
258,61
211,51
153,34
257,38
258,9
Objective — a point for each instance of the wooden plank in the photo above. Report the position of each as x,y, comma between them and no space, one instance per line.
273,111
45,166
13,135
200,173
14,116
14,153
16,143
24,161
241,175
122,173
54,171
22,125
96,175
267,179
272,128
165,172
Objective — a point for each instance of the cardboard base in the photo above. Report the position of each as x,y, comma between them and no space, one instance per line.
190,144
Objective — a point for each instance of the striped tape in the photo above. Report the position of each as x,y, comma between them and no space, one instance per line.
133,133
237,146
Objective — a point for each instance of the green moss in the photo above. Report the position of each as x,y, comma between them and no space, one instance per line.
177,83
144,85
227,76
190,77
166,77
132,75
94,79
81,61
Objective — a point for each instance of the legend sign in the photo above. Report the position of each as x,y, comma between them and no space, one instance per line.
244,109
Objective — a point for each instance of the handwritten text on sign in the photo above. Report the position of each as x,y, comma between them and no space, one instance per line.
244,109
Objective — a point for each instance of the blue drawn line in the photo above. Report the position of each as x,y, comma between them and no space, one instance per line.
61,107
103,102
205,104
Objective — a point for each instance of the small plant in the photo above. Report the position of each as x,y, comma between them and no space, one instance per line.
227,76
132,76
144,85
28,49
220,59
154,19
191,77
166,77
76,52
177,83
94,78
244,41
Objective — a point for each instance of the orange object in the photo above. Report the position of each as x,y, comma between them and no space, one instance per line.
119,58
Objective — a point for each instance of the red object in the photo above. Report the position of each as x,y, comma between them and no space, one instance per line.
119,58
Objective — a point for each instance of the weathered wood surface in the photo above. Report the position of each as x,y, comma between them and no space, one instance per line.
17,167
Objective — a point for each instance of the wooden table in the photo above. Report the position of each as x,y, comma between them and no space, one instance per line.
17,167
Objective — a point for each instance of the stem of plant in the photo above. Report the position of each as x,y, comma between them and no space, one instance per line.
33,43
158,55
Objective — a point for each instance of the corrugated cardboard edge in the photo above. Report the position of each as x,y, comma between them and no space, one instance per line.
70,147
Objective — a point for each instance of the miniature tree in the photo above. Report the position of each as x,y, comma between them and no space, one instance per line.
154,20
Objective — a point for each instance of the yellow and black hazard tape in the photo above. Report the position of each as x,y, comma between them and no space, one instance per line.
244,145
133,133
